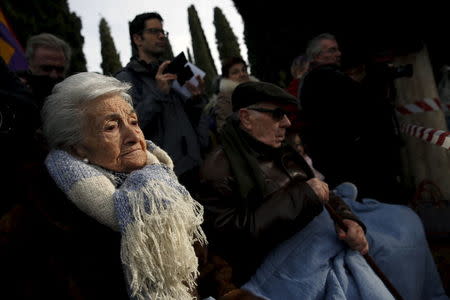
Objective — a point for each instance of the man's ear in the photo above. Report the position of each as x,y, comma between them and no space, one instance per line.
244,117
137,39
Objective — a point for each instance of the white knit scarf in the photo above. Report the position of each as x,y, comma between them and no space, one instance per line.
158,220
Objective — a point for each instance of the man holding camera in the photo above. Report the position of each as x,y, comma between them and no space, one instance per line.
169,119
348,133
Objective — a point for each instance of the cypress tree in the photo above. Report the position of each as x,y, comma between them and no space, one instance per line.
110,58
189,55
226,40
168,54
35,16
202,53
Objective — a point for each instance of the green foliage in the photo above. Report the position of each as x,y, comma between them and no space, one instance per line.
33,17
226,40
110,58
189,55
202,53
168,54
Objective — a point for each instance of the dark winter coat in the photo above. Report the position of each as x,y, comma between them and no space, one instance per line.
347,132
171,121
243,232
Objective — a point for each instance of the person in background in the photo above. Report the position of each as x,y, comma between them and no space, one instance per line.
234,72
348,132
299,67
172,121
48,61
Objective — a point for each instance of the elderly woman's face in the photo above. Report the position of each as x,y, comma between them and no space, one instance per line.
112,137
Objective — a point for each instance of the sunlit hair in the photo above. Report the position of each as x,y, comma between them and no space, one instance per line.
314,46
63,111
47,40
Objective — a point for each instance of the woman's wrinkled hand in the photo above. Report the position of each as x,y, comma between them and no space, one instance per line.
164,81
320,188
354,237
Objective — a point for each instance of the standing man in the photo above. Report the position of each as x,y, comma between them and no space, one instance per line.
348,131
172,121
48,60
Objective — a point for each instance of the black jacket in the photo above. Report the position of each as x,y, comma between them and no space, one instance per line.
243,232
348,131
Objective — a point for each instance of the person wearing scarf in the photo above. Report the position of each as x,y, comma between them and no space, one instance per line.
103,164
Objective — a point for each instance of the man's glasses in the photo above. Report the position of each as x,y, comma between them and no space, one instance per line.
277,113
156,31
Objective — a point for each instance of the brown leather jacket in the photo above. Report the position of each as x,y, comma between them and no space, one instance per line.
244,233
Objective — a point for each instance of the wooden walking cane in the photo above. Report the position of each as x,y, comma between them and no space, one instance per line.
336,218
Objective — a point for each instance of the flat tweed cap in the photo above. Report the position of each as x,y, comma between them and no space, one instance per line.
251,92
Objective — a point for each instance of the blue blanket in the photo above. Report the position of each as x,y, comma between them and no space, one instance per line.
314,264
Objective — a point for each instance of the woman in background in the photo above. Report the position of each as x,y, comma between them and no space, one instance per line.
234,72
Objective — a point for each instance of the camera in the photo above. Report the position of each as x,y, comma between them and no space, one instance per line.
178,66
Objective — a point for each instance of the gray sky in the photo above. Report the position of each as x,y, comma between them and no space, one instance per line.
174,12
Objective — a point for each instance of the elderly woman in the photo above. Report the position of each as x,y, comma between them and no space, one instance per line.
234,72
103,164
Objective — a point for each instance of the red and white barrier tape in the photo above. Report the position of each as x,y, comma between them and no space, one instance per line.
427,104
429,135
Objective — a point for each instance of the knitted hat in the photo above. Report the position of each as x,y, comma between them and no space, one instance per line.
249,93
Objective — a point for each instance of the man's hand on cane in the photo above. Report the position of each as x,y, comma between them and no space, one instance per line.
354,235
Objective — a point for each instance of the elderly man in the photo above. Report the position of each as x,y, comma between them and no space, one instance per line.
172,121
348,131
257,191
48,61
263,213
48,56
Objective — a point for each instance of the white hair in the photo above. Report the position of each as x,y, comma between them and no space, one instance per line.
63,113
47,40
315,46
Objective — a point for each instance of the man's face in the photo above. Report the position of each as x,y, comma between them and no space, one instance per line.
48,62
152,42
263,126
329,53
